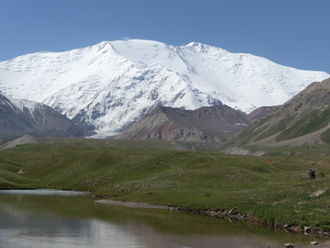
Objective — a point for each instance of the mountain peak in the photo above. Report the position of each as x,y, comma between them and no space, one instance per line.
204,47
195,44
103,44
111,84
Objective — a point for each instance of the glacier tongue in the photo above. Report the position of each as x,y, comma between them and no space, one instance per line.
108,85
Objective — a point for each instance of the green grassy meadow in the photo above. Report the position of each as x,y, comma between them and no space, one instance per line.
277,191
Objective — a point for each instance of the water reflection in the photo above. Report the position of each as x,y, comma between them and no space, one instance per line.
56,221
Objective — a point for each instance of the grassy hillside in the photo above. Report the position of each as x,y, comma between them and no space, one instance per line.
301,120
316,120
155,173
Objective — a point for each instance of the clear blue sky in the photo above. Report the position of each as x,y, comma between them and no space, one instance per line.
290,32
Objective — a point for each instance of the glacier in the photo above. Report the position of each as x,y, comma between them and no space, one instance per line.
107,86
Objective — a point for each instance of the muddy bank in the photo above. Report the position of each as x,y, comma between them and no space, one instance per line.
233,214
229,214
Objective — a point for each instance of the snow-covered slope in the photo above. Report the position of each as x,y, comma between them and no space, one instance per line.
18,105
21,117
111,84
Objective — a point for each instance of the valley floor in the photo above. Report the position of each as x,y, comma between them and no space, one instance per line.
275,189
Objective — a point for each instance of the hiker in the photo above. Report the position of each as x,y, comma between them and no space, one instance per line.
312,174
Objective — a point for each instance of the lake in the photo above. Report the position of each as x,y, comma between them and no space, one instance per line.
43,218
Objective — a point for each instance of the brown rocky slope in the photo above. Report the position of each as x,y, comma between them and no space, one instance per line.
207,124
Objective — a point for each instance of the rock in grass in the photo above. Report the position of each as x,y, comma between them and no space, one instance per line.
314,243
289,245
307,229
317,193
295,229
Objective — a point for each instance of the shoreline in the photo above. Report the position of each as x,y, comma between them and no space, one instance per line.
227,214
131,204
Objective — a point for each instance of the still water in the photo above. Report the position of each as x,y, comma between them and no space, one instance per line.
38,219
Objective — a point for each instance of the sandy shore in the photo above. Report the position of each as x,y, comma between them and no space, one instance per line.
131,204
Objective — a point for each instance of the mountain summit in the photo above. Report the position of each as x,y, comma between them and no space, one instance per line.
107,86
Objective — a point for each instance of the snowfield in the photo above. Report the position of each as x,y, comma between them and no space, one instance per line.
108,85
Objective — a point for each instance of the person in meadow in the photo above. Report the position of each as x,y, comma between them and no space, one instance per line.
312,174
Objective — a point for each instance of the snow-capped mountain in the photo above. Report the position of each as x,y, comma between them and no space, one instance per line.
108,85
